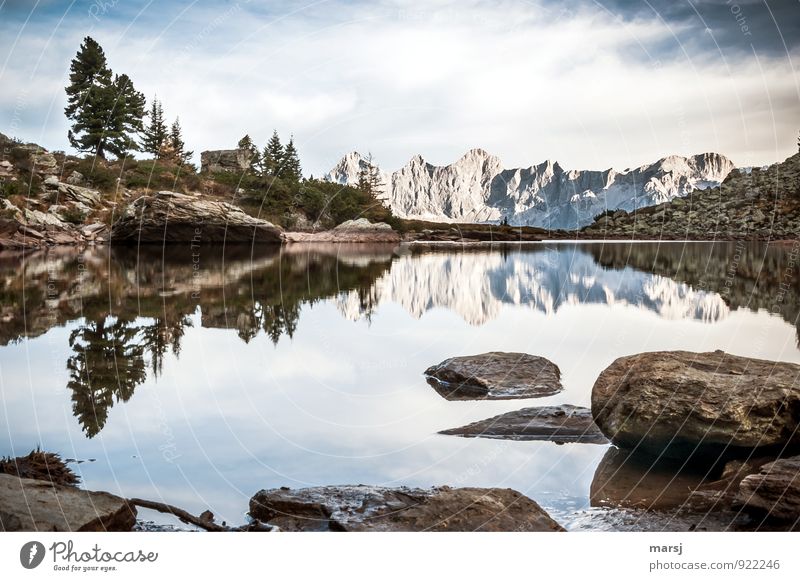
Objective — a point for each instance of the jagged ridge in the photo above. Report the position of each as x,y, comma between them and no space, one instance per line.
476,188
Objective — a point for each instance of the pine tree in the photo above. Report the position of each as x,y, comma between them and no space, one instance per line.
126,117
176,144
370,180
253,158
90,98
155,134
290,168
106,111
273,156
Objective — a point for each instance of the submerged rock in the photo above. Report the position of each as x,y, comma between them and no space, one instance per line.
375,508
560,424
625,480
173,217
681,404
495,375
36,505
775,490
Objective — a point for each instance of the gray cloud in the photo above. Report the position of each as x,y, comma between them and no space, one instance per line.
594,85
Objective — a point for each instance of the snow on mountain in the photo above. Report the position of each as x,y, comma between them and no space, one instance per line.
476,286
476,188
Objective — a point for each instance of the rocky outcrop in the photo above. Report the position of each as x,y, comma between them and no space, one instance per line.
682,404
761,203
476,188
171,217
375,508
775,490
360,230
225,160
36,505
561,424
495,375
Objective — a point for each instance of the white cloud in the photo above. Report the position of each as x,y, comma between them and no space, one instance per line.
525,81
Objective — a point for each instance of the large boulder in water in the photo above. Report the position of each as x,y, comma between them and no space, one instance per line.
681,404
495,375
375,508
172,217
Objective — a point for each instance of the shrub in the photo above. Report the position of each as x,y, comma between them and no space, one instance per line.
97,173
73,215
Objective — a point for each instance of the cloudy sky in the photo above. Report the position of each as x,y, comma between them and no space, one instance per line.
592,84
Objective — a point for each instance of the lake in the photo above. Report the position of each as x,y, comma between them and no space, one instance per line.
199,376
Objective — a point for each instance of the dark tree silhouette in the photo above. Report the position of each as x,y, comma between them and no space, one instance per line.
107,366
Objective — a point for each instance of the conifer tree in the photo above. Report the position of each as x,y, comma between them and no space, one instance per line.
105,110
89,98
176,144
273,156
251,152
290,168
126,117
370,180
155,134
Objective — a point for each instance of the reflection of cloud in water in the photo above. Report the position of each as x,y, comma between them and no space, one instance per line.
476,285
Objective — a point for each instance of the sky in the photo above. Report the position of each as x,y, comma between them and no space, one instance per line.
590,84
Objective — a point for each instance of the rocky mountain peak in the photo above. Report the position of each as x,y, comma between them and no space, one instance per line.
477,188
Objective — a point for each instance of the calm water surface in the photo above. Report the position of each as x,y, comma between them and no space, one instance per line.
198,378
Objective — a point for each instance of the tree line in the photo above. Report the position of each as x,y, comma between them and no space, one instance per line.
275,160
108,113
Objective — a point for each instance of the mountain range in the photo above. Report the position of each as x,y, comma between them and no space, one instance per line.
477,188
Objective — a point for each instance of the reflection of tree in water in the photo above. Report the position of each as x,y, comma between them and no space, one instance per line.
161,336
152,301
107,366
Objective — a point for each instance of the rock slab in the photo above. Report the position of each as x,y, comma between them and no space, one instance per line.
173,217
495,375
375,508
561,424
37,505
775,490
683,404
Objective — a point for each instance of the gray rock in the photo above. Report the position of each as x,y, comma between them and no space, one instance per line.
375,508
86,196
775,490
44,163
76,178
684,404
39,218
173,217
561,424
362,224
36,505
495,375
224,160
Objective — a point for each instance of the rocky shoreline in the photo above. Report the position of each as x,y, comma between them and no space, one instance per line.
744,207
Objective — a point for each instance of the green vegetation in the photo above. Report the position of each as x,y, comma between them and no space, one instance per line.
105,109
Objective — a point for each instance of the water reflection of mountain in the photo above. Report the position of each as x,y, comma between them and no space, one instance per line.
128,309
476,285
133,307
752,276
